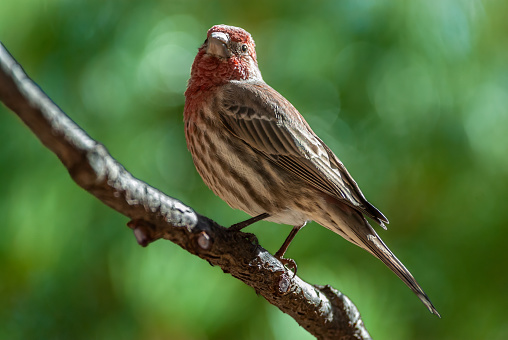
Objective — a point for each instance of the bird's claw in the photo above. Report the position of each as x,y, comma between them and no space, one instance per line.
252,239
290,264
237,226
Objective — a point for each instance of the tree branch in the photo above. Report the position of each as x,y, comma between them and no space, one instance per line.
321,310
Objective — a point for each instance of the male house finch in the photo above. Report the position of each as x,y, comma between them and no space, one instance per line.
257,153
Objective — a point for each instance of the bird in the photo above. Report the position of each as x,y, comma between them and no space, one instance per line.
255,151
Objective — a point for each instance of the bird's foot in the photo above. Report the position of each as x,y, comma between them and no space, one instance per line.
252,238
288,263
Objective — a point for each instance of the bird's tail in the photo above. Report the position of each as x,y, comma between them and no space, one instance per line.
366,237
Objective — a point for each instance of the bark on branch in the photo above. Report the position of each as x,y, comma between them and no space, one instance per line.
321,310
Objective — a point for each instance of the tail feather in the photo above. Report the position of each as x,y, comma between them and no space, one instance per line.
367,238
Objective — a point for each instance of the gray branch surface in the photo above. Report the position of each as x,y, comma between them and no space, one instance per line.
322,310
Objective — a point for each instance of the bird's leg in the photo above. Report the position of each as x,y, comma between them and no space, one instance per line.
290,263
239,226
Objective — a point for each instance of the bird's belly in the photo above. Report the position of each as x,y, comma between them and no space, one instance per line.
244,178
290,216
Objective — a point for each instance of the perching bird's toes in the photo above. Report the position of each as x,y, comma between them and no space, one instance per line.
288,263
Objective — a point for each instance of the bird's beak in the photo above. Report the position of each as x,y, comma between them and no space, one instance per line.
218,45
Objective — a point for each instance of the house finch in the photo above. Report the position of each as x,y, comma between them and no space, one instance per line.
257,153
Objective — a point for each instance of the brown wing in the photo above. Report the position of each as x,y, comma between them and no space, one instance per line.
252,111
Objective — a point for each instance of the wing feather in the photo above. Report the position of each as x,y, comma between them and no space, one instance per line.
252,111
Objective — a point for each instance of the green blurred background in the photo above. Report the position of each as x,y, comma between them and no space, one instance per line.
412,96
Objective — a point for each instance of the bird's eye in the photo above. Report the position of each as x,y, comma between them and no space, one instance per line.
244,48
